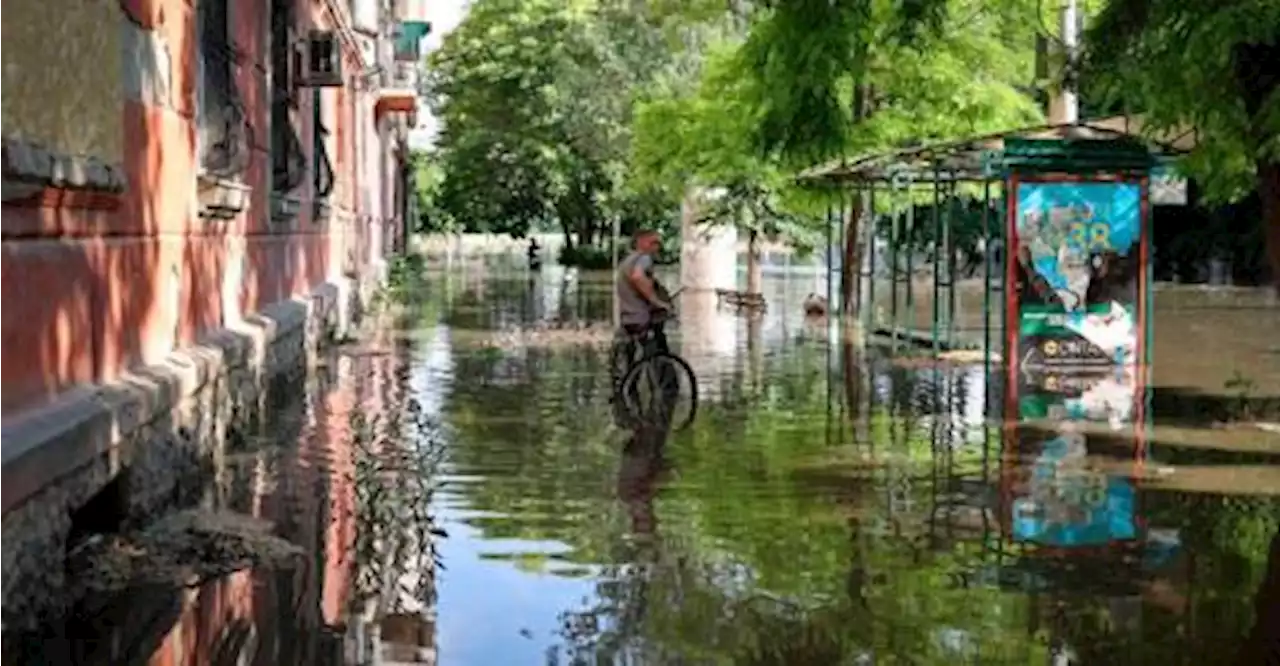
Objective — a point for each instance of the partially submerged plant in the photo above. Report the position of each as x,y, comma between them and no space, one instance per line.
397,461
1242,389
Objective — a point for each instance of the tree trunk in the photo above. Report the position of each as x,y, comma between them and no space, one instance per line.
1257,79
755,276
568,235
1269,194
851,264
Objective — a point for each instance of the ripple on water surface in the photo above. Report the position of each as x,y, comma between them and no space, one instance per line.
821,512
826,507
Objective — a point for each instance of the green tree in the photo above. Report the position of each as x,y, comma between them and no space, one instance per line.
492,87
694,141
535,101
813,80
1210,66
428,176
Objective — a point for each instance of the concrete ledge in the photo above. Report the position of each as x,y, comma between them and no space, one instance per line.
33,164
155,428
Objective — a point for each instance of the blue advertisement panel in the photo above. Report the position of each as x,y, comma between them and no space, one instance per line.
1063,502
1076,341
1079,265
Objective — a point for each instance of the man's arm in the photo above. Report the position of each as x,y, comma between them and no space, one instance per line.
639,279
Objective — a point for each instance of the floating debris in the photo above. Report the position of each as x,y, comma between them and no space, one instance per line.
815,305
183,549
742,301
553,333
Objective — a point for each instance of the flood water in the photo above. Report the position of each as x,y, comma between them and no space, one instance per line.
827,506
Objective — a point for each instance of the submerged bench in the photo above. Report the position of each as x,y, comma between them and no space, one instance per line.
741,300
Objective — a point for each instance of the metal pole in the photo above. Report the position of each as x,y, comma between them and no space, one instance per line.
1064,107
617,309
948,234
937,260
871,258
1005,244
911,263
895,271
986,296
843,226
830,265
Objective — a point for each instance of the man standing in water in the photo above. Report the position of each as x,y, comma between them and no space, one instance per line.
641,299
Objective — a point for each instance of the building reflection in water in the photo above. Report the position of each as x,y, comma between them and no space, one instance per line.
1051,492
297,468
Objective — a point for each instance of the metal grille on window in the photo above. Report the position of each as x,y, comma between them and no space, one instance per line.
288,162
323,168
224,125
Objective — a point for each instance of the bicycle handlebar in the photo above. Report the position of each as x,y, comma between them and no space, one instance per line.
666,314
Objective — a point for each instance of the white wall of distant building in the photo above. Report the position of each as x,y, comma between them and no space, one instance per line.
445,15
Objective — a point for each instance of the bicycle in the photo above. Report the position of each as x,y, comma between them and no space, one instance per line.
650,387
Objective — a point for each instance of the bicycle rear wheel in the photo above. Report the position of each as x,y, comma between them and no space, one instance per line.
661,391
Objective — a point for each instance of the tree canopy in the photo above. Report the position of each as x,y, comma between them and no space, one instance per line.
573,114
1208,66
569,116
534,100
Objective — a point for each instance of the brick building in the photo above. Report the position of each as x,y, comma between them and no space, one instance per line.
179,176
173,165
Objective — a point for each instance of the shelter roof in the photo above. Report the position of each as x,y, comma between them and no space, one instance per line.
968,159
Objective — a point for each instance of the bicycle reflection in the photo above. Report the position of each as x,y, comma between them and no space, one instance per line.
643,464
643,461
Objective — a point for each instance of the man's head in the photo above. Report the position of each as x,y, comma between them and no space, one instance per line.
647,241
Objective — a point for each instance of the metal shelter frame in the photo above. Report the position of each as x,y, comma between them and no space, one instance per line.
980,165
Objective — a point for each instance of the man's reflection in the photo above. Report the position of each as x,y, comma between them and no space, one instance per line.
642,464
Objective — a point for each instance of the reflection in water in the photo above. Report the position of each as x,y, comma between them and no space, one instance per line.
1060,501
642,462
707,339
297,469
829,506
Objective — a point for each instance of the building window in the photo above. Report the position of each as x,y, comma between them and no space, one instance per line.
288,164
321,168
223,124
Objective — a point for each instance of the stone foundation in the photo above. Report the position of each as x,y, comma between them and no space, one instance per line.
106,458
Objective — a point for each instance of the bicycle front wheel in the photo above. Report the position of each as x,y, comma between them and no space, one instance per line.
661,391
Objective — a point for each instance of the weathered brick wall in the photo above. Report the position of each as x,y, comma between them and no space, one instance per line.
97,278
132,298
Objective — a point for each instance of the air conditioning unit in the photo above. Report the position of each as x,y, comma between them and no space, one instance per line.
322,60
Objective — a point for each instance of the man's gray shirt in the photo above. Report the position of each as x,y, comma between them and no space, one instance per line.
634,309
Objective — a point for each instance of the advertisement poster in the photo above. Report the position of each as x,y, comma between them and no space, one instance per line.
1077,269
1060,499
1112,398
1075,342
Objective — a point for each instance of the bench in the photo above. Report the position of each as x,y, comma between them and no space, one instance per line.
741,300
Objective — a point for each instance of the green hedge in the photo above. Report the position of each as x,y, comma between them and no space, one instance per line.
588,256
592,257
